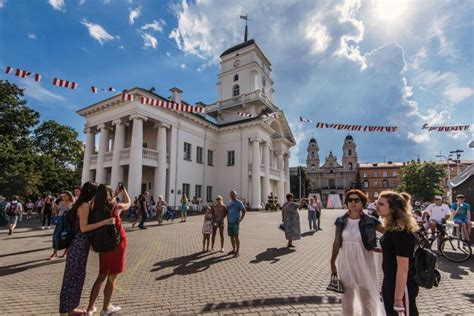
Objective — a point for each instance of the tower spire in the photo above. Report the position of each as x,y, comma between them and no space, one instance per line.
246,18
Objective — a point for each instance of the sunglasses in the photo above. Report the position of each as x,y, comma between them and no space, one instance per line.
355,200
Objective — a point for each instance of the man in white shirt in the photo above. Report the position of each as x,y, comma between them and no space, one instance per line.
438,213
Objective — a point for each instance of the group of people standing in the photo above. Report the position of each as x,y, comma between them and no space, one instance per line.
94,199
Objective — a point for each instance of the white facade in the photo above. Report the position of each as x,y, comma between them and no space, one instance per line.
145,146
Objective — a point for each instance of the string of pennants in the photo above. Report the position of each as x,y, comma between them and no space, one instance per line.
124,96
274,115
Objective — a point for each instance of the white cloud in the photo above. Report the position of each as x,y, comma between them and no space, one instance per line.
156,26
456,94
2,3
134,14
36,91
149,41
183,66
32,35
168,54
121,47
98,32
419,138
82,2
319,37
58,5
437,31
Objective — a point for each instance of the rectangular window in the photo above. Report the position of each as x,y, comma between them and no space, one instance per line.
209,194
197,191
186,187
394,174
187,151
384,174
366,174
231,158
210,158
375,174
366,184
199,154
376,184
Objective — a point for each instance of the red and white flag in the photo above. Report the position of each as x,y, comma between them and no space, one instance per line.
243,114
198,109
305,120
127,97
110,89
65,84
22,73
94,90
8,70
38,77
273,115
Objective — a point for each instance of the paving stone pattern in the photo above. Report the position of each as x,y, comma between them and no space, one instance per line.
167,274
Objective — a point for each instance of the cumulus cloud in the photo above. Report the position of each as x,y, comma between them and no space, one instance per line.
149,41
319,36
156,26
98,32
58,5
134,14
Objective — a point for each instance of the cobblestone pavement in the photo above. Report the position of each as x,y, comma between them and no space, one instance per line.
167,274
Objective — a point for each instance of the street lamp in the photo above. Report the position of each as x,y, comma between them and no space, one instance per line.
449,175
458,157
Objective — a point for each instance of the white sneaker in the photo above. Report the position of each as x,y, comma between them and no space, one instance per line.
42,227
49,227
111,310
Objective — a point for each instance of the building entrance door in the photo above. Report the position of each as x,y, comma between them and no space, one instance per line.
143,188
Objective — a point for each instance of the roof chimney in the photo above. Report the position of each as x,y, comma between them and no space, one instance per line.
176,94
389,162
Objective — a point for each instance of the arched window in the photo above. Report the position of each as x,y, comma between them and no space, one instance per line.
312,168
350,166
236,77
312,154
349,152
235,90
384,183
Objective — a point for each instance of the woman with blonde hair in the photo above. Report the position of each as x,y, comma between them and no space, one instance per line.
184,207
398,245
219,211
355,242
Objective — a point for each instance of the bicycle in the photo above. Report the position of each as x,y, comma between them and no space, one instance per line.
452,248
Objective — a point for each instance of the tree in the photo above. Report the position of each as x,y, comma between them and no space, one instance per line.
422,180
17,174
357,182
295,183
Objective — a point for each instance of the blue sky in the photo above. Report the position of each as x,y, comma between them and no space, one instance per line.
384,62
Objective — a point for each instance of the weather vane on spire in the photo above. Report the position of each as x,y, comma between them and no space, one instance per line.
246,18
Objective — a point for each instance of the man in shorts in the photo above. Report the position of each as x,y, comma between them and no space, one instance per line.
462,215
438,212
234,209
219,211
13,210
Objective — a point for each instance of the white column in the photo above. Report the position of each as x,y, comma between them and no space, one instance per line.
173,198
159,184
266,178
256,183
103,148
281,184
136,156
88,151
119,144
287,173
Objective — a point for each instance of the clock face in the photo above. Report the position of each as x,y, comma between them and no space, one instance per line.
237,63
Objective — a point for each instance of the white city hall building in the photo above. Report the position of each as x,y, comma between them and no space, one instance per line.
168,152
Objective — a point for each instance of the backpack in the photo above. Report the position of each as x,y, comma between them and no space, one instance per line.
63,233
12,210
424,267
105,238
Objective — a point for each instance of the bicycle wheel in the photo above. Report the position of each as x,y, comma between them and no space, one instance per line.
455,249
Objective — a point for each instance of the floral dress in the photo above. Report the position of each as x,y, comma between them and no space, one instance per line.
207,226
292,221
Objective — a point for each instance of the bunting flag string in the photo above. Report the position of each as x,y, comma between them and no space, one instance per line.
305,120
357,128
22,73
65,84
94,90
127,97
243,114
171,105
8,70
447,128
274,115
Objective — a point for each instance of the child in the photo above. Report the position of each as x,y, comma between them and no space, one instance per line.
207,229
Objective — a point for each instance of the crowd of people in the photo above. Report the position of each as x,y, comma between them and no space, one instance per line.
354,246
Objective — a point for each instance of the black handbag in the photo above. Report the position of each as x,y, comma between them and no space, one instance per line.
335,284
105,238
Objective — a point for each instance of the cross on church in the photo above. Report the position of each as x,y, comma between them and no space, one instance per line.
246,18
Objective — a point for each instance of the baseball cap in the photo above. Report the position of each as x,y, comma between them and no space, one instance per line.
438,197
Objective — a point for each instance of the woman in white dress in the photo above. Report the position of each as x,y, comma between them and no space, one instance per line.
355,242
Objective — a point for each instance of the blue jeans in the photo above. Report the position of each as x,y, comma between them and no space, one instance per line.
312,220
142,222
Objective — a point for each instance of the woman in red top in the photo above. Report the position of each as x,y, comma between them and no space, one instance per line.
111,263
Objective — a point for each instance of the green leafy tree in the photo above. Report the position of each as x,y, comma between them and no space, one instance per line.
17,174
295,187
357,182
422,180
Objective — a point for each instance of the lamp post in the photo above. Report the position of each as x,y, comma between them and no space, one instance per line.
449,175
458,158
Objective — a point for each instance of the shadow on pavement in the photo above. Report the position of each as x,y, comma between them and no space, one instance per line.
305,234
271,254
470,297
189,264
274,301
456,270
31,236
23,252
23,266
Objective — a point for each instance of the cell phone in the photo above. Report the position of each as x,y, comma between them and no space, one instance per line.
120,186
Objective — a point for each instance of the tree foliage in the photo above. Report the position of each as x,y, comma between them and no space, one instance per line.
46,159
297,187
422,180
357,184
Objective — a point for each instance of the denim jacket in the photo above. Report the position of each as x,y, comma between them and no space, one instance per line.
367,225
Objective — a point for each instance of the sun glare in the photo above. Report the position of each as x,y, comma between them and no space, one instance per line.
390,11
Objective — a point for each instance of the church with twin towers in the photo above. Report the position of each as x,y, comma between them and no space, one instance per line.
169,153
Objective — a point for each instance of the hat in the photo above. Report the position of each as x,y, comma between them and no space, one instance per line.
460,196
438,197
